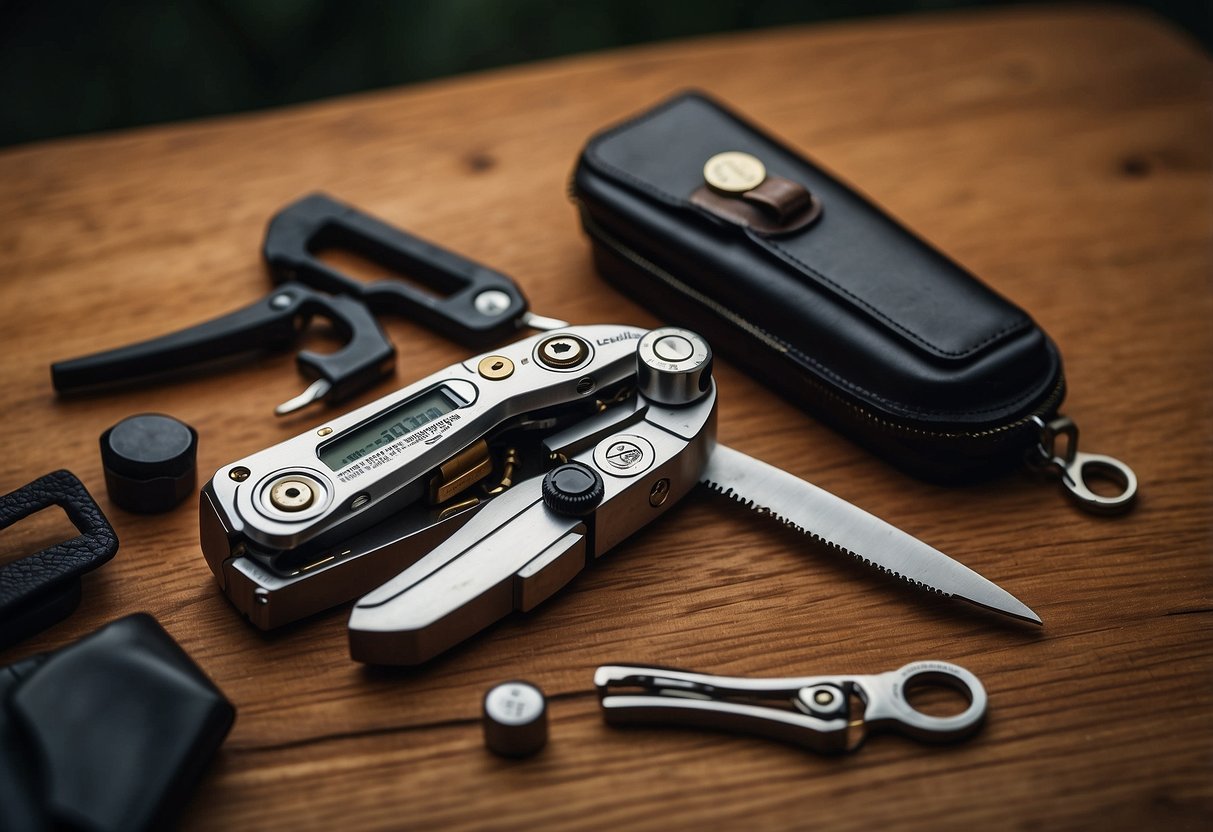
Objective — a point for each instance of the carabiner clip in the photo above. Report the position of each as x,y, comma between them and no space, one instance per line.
1074,467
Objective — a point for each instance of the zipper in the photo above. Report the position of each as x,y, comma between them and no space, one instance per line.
1043,411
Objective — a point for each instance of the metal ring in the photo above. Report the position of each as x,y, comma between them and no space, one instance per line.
1082,465
926,726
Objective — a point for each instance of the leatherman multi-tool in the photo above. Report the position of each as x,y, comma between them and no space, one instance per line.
830,714
486,487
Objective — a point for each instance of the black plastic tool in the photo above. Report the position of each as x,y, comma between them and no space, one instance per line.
469,303
271,323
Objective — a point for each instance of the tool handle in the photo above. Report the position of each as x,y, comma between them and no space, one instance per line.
366,357
271,323
469,303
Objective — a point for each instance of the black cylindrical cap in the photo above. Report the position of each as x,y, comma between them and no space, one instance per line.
515,719
572,489
149,462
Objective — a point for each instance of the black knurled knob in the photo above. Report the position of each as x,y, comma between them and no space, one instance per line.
572,489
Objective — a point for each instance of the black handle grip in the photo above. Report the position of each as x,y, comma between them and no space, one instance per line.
477,306
269,324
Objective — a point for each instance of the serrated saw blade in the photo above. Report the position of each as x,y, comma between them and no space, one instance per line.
834,521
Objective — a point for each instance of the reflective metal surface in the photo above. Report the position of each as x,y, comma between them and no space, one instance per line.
517,551
1078,470
816,711
816,512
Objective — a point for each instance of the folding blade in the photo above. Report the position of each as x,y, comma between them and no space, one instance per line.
818,513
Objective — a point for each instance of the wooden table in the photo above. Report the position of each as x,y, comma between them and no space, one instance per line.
1063,155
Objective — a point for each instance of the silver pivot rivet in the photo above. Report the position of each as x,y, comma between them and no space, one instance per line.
491,302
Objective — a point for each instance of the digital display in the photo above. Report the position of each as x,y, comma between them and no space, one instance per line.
386,428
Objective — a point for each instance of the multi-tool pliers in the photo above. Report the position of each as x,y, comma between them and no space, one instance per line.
487,486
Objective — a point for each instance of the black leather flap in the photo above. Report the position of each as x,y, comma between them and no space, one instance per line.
854,298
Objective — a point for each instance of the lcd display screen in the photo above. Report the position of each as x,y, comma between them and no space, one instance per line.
386,428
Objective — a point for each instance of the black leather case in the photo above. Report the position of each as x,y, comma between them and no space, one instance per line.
851,315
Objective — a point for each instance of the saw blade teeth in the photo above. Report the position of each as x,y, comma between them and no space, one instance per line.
791,524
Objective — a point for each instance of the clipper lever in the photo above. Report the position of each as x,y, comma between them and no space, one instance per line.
271,323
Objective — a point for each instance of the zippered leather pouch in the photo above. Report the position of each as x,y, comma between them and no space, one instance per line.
818,292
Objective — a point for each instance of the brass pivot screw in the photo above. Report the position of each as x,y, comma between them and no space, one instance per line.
495,367
239,474
660,492
291,495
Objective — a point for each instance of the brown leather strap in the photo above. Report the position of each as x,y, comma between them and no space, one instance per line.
777,206
781,197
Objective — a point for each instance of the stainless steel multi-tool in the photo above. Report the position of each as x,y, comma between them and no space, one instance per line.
486,487
818,712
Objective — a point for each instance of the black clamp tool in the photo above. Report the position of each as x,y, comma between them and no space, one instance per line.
471,304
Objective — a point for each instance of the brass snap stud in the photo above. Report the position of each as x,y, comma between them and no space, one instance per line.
734,172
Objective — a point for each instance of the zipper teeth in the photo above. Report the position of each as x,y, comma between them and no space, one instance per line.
595,230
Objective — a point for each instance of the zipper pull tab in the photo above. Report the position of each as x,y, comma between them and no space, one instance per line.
1073,468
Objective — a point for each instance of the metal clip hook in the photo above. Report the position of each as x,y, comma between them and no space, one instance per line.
820,714
1074,468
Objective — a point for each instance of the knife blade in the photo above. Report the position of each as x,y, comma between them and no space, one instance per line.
820,514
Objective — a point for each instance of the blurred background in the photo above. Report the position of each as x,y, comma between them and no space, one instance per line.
77,66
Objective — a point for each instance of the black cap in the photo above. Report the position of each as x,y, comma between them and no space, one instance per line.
572,489
149,462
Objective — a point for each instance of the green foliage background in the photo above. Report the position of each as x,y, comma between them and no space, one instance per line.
83,65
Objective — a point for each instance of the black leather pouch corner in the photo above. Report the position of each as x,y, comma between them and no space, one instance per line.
815,290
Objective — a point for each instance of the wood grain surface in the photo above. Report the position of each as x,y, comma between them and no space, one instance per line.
1063,155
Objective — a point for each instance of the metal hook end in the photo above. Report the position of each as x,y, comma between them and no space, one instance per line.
315,391
1098,466
1076,469
543,323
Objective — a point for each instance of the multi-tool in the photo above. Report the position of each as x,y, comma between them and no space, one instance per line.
487,486
817,712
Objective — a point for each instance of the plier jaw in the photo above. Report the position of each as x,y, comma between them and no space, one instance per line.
522,546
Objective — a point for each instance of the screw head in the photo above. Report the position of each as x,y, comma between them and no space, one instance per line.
660,492
561,352
491,302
